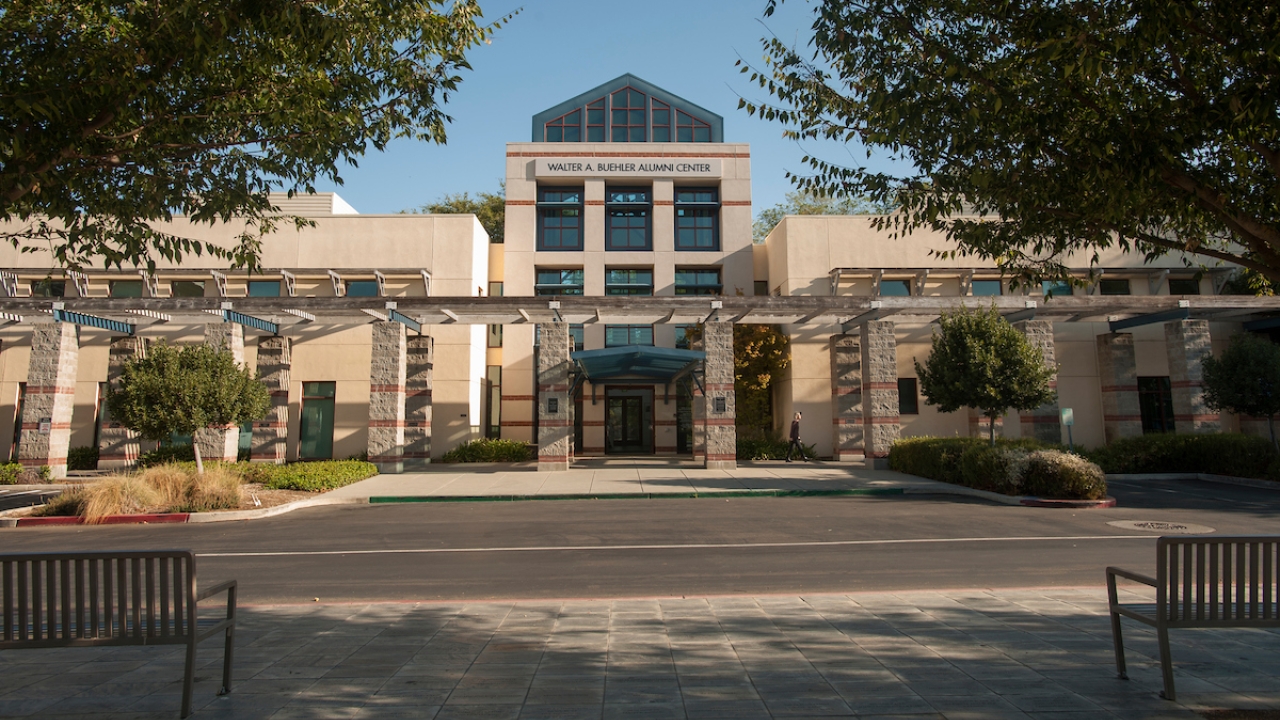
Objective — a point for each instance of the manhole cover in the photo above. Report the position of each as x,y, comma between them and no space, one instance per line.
1159,526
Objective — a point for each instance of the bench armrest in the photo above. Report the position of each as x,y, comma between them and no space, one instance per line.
211,591
1129,575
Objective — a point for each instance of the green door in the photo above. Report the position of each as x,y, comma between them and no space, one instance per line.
316,434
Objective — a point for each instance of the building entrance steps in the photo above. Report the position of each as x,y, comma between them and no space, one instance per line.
1011,653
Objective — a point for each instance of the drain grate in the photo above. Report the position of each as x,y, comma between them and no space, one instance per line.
1163,527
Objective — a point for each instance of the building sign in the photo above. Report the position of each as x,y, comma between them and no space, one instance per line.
626,167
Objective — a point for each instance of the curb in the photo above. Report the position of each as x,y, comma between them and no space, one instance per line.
1106,502
204,517
392,499
1205,477
146,519
1018,500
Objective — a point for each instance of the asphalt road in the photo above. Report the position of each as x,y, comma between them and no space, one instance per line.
10,499
674,547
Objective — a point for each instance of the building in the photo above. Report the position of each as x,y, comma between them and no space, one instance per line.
602,325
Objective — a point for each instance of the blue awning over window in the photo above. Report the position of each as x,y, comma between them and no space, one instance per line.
636,362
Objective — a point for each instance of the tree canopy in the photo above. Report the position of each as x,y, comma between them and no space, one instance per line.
118,114
804,202
1246,379
181,390
1040,128
980,361
489,208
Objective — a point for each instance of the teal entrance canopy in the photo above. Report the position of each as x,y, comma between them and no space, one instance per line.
639,363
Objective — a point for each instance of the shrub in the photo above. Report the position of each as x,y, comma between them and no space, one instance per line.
167,454
1055,474
10,473
1220,453
489,450
930,457
768,449
82,458
998,469
67,504
308,476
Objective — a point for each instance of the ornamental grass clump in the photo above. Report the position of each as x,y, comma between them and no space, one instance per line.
119,495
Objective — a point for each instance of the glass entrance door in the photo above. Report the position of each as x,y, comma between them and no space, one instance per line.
629,421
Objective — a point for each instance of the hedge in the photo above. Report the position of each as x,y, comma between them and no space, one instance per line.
307,476
166,454
768,449
489,450
1219,453
1011,467
83,458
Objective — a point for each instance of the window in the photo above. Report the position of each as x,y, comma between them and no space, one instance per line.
683,336
627,119
627,212
264,288
495,336
1184,286
697,219
1054,288
691,129
618,335
1155,401
579,336
126,289
761,288
493,373
595,121
895,288
566,128
195,288
362,288
54,288
908,397
628,282
698,282
558,282
987,288
560,218
661,114
1117,286
495,289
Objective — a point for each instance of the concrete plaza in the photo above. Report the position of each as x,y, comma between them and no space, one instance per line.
1035,653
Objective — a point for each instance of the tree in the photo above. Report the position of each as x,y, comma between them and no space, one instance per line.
760,354
489,208
118,114
807,203
981,361
182,390
1041,128
1245,380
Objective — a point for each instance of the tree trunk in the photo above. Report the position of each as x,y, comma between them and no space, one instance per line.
991,428
1271,425
199,463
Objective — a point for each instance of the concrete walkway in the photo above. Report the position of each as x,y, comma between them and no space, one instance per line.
962,654
640,477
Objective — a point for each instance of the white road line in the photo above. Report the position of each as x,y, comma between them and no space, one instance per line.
687,546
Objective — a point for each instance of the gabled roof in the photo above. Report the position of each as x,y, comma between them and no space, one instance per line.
675,101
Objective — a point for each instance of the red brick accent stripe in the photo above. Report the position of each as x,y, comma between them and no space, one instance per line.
592,423
720,422
514,398
1122,418
51,390
52,426
421,424
522,202
1206,417
595,203
386,388
735,203
880,385
886,420
552,422
663,203
386,423
516,423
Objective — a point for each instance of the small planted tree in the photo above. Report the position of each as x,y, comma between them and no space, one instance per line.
1245,380
182,390
981,361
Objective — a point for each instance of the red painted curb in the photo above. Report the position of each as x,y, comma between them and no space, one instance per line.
1105,502
108,520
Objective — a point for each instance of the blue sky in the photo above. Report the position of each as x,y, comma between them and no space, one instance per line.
556,49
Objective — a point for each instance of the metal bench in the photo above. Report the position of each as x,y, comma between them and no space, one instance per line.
112,598
1202,581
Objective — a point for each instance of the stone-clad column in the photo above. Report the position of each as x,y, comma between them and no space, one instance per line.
118,446
719,406
846,397
271,434
387,371
1044,423
555,408
879,391
1188,344
1118,375
50,399
417,401
222,443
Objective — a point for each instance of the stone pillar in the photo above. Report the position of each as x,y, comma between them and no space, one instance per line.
271,434
51,393
555,408
387,370
1188,344
846,397
118,446
1045,422
417,401
719,408
1118,375
222,443
879,391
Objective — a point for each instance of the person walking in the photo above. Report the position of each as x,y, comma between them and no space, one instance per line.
795,440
